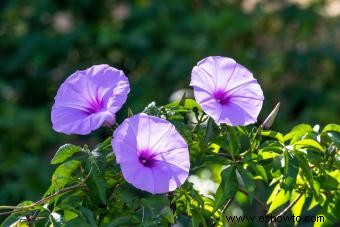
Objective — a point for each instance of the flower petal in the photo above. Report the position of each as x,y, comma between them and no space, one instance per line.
226,91
153,143
138,175
168,177
89,99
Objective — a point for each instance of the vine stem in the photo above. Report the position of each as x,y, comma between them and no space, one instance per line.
42,201
15,209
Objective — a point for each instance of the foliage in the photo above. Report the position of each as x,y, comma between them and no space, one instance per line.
289,47
41,42
299,170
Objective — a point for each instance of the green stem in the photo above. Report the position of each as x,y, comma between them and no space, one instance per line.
16,209
42,201
227,205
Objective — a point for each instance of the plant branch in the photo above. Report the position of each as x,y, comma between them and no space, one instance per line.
227,204
42,201
16,209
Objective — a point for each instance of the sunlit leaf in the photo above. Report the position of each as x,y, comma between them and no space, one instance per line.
63,174
276,190
331,128
297,132
307,172
280,199
308,143
64,152
259,169
297,208
272,134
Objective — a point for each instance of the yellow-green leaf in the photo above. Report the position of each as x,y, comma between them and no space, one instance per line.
308,143
280,199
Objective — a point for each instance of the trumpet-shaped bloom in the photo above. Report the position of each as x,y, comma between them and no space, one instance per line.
153,156
226,91
89,99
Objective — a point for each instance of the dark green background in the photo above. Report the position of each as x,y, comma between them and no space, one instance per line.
293,52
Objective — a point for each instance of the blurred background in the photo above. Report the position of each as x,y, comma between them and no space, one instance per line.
291,46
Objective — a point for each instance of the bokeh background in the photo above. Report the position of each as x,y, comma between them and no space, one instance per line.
292,46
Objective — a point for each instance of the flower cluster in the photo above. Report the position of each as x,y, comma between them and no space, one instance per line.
152,154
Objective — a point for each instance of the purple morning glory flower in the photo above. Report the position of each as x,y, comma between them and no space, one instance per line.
226,91
89,99
153,156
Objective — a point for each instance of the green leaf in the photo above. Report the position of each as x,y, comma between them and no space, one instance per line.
307,172
188,104
259,169
64,152
313,203
167,214
308,143
291,170
297,208
280,199
70,215
63,174
97,185
272,134
77,222
271,198
211,131
11,220
123,221
263,155
191,104
227,188
248,179
331,128
330,181
152,205
297,132
88,215
196,218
